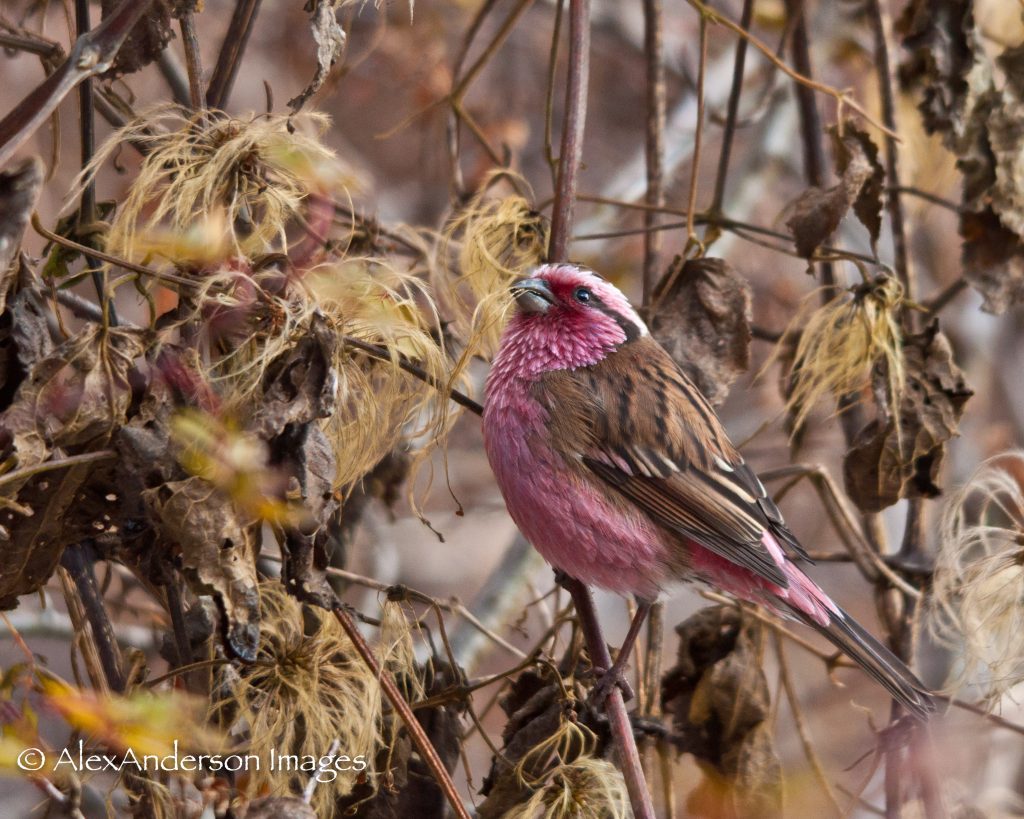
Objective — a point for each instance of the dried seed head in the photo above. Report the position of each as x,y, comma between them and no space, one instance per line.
307,689
497,240
585,787
977,604
841,342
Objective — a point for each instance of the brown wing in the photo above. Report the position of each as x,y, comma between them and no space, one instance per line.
637,422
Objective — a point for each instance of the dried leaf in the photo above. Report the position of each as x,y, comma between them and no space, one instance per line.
218,553
79,394
330,45
301,385
718,697
702,317
304,453
983,125
889,461
32,543
19,189
849,146
816,213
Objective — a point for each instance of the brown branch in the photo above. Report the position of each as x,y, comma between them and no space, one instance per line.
733,107
881,28
87,208
91,55
412,725
691,209
78,560
615,707
654,147
231,51
841,97
193,59
571,150
381,353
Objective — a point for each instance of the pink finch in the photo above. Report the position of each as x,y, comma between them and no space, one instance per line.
619,472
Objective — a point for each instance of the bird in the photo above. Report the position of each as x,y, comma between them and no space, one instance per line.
617,469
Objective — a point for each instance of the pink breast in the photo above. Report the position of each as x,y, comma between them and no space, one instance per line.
570,521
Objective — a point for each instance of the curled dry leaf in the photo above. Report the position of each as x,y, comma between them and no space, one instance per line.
218,553
75,397
299,389
32,536
702,317
816,213
850,144
982,123
80,393
898,455
718,697
330,45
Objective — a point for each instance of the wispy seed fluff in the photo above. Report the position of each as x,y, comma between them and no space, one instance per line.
977,606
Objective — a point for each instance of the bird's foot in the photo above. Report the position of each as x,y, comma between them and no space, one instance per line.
607,679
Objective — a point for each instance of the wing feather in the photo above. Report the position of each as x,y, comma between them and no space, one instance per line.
640,425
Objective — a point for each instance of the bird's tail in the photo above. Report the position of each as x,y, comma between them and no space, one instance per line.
849,636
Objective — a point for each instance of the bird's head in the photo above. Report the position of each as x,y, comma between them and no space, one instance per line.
569,309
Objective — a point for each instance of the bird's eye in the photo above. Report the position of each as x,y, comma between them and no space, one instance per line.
582,295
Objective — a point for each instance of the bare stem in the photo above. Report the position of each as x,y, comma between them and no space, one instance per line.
231,51
572,129
732,110
691,209
654,52
193,60
615,707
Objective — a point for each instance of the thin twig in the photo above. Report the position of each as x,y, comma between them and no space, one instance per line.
381,353
193,59
78,559
841,97
881,28
62,463
412,725
815,162
231,51
64,241
571,150
691,209
801,727
87,209
91,55
732,110
654,146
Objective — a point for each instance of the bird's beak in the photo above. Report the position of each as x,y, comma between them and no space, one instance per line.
533,295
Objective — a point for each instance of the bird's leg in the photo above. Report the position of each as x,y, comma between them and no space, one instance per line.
614,675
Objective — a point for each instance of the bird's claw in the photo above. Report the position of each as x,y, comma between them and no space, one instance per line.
606,681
